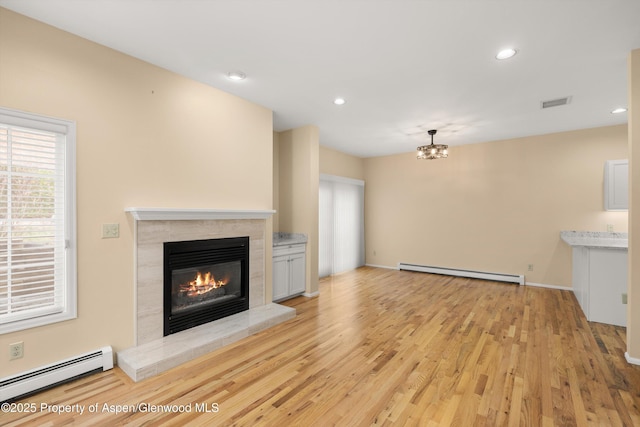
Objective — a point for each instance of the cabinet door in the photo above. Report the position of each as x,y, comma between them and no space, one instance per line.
616,185
280,283
607,283
297,274
581,277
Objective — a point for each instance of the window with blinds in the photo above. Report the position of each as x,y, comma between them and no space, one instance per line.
37,225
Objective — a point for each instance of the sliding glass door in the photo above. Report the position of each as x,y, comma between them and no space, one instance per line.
341,222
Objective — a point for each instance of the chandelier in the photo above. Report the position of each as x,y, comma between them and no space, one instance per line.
433,151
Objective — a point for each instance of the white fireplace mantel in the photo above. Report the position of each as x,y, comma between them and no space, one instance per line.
178,214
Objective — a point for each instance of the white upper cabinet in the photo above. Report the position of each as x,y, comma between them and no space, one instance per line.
616,185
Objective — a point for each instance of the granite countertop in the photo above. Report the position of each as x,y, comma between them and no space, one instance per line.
596,239
281,239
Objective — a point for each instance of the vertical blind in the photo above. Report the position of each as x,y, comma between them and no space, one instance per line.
341,225
32,222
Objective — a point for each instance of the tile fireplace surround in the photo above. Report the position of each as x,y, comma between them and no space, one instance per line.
153,353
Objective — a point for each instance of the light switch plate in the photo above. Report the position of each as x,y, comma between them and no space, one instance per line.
110,231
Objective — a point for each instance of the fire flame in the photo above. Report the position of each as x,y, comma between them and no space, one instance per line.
202,285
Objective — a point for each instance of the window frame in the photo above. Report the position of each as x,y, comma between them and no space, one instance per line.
67,128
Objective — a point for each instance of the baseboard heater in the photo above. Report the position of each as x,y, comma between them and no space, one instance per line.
500,277
30,382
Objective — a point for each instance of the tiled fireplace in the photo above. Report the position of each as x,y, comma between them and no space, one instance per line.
153,352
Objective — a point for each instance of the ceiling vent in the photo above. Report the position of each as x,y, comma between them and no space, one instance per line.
556,102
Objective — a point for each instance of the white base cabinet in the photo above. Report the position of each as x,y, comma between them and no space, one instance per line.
599,282
289,271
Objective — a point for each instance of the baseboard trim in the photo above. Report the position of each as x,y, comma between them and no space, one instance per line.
542,285
311,294
381,266
631,360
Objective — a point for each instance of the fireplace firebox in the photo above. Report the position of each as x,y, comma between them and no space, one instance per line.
204,280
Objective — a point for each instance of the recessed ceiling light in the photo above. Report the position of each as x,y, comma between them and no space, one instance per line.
619,110
506,53
339,101
236,75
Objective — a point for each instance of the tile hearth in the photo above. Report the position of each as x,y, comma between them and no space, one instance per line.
155,357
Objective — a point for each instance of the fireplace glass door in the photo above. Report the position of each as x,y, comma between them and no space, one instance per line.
204,280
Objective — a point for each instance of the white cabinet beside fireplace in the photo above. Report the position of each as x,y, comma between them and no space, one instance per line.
289,273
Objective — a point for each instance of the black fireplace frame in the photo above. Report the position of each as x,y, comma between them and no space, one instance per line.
186,254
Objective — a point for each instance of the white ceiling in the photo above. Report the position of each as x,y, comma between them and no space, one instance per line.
404,66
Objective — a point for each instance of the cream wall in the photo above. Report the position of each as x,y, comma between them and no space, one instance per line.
334,162
145,137
496,206
298,168
633,328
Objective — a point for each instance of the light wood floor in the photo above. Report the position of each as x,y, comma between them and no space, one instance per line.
385,347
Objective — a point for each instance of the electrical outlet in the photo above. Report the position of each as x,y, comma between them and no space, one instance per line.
610,228
530,267
110,231
624,298
16,350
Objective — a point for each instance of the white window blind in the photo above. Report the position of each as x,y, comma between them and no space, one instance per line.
37,236
341,225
